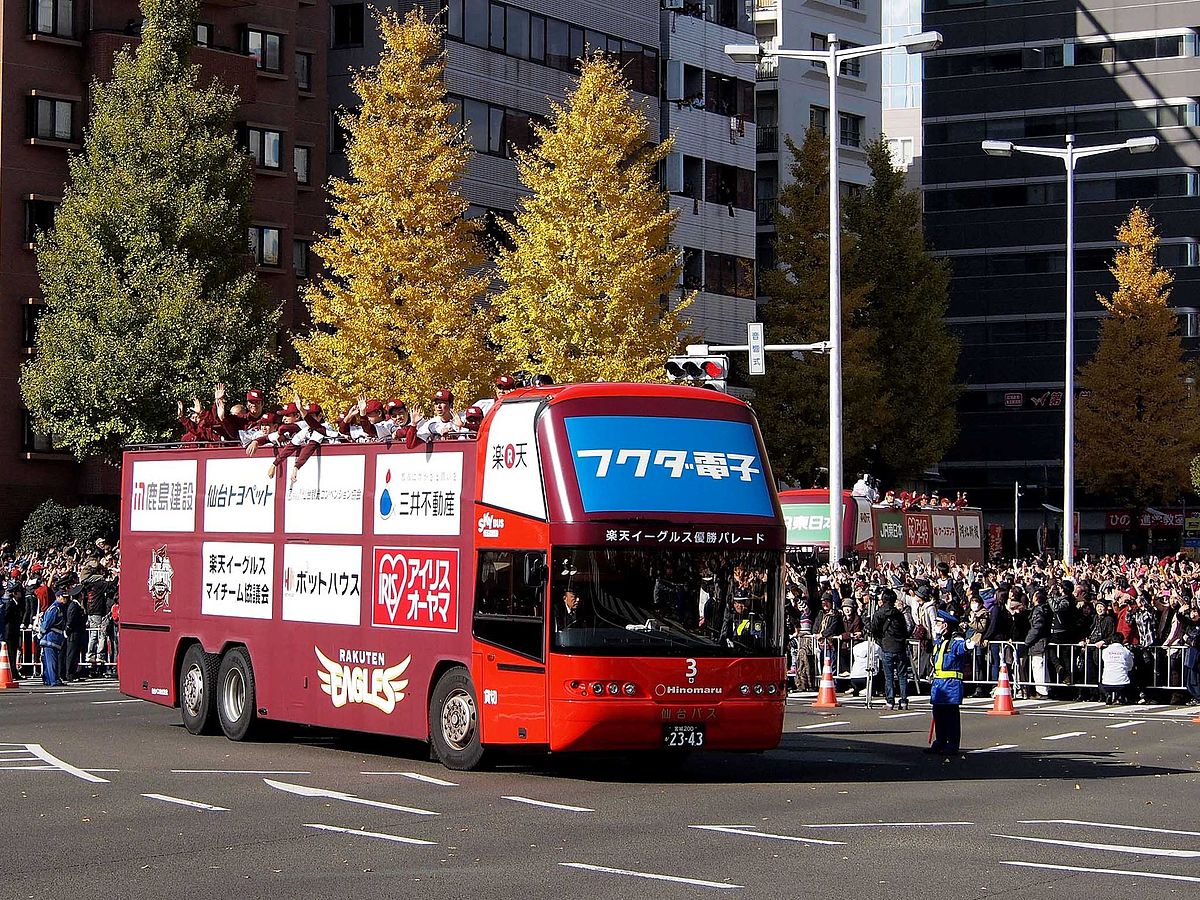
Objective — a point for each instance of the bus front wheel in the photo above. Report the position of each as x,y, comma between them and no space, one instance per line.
454,722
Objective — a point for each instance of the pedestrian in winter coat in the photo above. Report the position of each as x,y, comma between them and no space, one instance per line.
1036,638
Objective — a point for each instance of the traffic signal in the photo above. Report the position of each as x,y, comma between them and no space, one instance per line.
701,371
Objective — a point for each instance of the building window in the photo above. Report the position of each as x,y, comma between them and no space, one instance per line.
265,47
304,66
454,19
902,152
302,163
51,120
348,23
34,441
496,29
55,18
266,147
204,34
300,258
339,135
39,217
30,314
729,275
264,245
818,118
494,130
851,130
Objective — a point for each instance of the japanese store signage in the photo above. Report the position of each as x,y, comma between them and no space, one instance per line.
512,473
662,464
238,496
416,587
163,495
327,497
237,579
418,493
322,584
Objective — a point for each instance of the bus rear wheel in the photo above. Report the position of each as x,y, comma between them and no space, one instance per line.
236,697
454,722
198,691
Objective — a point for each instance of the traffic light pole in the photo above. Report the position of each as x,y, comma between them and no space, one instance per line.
706,349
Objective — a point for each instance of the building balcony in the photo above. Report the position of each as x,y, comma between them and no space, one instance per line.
767,69
768,139
764,211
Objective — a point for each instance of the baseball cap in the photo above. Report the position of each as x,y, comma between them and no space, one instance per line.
474,412
506,382
312,409
254,395
443,396
291,410
373,408
397,403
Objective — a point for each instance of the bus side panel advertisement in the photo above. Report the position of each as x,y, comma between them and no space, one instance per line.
945,532
322,584
237,580
807,523
418,493
890,531
970,535
238,497
919,531
415,588
512,471
163,495
327,496
663,464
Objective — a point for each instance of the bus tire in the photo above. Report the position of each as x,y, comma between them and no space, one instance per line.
236,696
454,722
198,690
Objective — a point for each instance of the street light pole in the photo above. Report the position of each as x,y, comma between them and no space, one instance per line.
1070,155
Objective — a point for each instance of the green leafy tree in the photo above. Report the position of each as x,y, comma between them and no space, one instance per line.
48,526
1137,428
150,292
907,294
89,522
792,399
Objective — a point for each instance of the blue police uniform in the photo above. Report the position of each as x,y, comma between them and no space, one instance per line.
52,641
946,691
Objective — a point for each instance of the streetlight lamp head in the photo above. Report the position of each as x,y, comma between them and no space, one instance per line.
923,42
998,148
1142,144
744,53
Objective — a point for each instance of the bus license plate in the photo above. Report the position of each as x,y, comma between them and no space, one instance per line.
683,736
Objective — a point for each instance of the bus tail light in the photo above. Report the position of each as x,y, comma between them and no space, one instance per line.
758,689
613,688
772,689
745,690
630,689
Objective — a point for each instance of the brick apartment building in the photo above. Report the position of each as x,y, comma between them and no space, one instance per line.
273,52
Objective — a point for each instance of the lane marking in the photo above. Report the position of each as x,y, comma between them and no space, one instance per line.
372,834
1176,711
1115,848
1031,702
751,831
1108,825
1162,875
1135,709
42,753
549,805
1126,724
721,885
320,793
821,725
1091,704
903,715
994,749
76,691
886,824
28,768
234,772
195,804
1065,734
417,776
108,702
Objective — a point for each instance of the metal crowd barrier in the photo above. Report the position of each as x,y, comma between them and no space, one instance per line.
30,661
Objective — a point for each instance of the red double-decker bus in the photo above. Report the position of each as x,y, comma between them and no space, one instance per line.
598,570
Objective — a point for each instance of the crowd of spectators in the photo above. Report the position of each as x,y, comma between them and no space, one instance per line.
70,591
1113,627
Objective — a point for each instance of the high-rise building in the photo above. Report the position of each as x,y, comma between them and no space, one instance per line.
1032,73
272,51
902,87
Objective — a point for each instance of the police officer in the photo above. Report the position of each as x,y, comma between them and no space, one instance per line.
53,630
946,691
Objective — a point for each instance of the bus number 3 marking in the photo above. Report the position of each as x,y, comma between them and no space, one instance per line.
690,673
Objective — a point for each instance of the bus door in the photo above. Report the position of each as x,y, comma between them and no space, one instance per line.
510,651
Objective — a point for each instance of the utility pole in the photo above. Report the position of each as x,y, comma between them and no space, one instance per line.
1016,519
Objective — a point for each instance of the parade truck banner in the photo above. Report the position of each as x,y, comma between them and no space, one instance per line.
237,579
512,473
327,497
651,464
418,493
238,496
807,523
163,495
322,584
416,587
945,532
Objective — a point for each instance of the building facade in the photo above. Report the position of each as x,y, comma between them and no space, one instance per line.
273,52
1105,71
902,87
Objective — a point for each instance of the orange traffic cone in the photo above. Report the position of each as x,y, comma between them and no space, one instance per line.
827,695
1003,705
6,675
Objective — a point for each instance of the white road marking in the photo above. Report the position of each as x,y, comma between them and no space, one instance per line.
42,753
106,702
320,793
821,725
1163,875
1108,825
994,749
1115,848
1126,724
1065,734
28,768
1135,709
722,885
21,749
751,831
193,803
234,772
416,776
1091,704
1177,711
886,824
549,805
76,691
1030,702
903,715
372,834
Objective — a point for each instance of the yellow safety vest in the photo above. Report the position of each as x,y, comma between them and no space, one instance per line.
939,654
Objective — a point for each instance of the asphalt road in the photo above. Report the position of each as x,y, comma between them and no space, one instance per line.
1065,801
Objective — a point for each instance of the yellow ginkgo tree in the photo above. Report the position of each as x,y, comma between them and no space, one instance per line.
398,311
583,288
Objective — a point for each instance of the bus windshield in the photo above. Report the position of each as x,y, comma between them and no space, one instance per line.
628,602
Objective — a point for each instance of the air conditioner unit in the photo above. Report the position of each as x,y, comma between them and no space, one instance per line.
672,4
